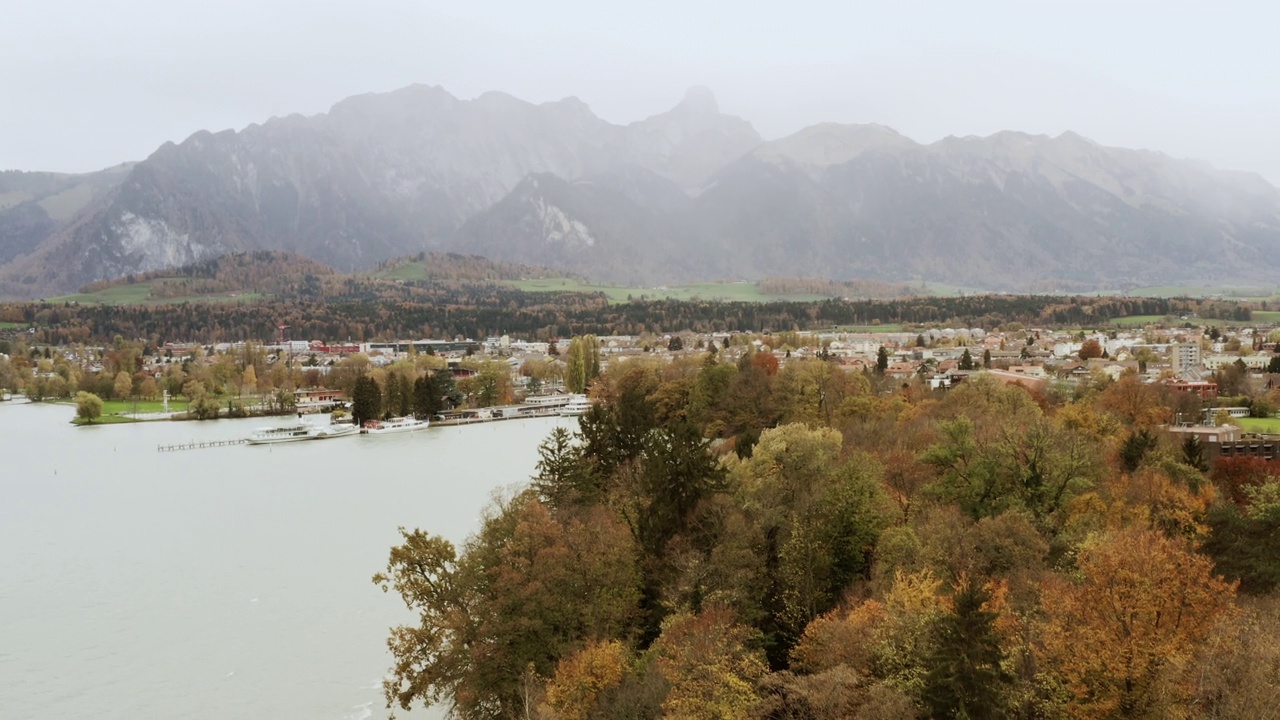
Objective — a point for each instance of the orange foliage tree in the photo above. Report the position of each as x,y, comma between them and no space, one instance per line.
1121,637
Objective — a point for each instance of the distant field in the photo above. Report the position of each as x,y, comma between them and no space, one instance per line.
1139,320
416,270
1226,292
885,328
1266,316
1270,426
730,291
139,293
11,325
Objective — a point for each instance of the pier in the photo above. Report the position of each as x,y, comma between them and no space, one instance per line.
193,445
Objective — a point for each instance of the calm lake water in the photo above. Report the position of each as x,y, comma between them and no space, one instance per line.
221,583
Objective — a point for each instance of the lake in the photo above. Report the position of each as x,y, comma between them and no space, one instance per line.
229,582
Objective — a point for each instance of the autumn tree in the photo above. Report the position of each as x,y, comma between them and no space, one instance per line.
1142,606
88,407
1090,349
712,664
821,515
249,380
583,678
149,390
582,363
526,592
123,385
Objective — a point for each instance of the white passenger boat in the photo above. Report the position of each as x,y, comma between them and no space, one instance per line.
300,430
579,405
394,425
336,430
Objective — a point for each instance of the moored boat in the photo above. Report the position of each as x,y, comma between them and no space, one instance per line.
294,432
394,425
579,405
336,430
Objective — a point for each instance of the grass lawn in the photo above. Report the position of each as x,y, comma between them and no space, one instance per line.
116,407
1269,426
105,420
1266,316
727,291
12,326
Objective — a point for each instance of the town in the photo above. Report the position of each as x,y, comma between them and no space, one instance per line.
1226,378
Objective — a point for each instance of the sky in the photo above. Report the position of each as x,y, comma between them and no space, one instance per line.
86,84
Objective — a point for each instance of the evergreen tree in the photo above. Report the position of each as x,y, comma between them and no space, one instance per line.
426,401
392,399
966,360
882,360
965,679
1193,453
366,400
1135,448
986,359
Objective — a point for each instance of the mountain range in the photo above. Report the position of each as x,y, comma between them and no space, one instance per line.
689,194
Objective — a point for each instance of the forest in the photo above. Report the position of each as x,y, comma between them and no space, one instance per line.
362,310
790,540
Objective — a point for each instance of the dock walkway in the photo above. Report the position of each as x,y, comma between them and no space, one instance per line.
193,445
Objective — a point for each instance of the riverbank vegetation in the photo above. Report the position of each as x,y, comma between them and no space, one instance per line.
751,540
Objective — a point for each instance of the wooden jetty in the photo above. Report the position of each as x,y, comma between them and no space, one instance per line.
193,445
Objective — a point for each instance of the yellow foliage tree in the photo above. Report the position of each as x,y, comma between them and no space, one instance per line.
710,665
581,677
123,385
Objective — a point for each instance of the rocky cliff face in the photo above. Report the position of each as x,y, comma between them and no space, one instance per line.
687,194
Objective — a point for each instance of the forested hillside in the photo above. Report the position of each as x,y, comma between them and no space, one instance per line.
753,541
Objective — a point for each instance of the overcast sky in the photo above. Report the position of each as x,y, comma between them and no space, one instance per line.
85,84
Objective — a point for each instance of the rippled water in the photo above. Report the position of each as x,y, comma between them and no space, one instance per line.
221,583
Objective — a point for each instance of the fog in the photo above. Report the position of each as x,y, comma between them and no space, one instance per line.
85,85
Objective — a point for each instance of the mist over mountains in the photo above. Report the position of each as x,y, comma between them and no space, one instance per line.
689,194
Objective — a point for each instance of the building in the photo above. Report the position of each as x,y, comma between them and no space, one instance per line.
1205,390
1184,357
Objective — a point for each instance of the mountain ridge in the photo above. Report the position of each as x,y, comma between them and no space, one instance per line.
686,194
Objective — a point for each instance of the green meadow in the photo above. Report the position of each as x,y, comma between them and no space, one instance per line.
1134,321
727,291
1270,426
140,293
